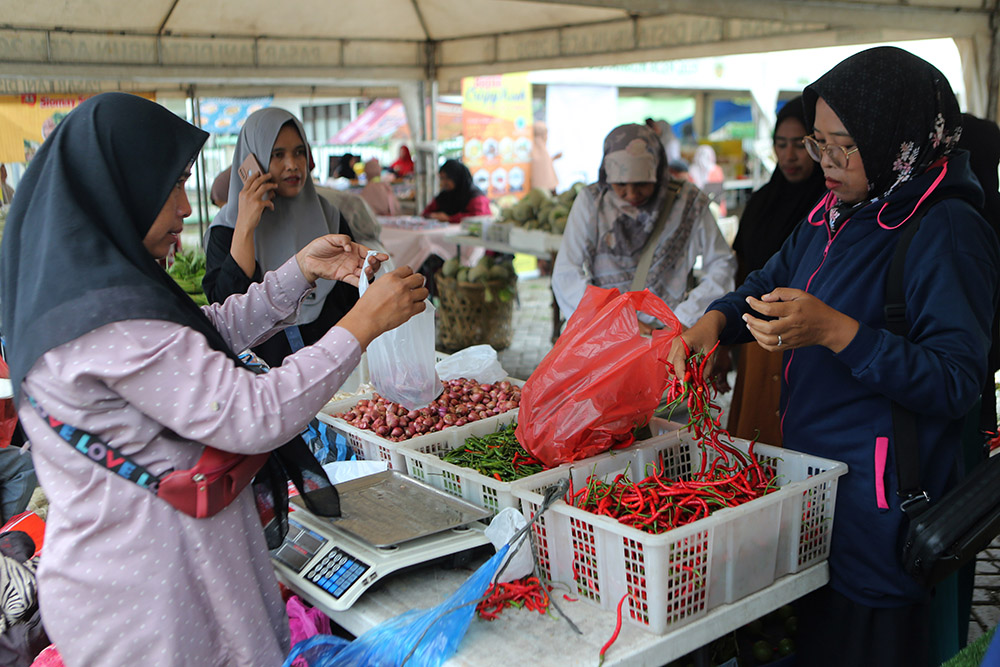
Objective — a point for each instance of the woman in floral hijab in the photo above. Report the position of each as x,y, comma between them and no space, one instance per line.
884,126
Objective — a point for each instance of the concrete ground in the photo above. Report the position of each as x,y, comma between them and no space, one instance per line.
533,340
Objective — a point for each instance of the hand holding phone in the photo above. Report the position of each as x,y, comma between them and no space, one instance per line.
248,169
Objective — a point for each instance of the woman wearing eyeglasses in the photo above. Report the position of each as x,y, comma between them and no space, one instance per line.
770,217
884,126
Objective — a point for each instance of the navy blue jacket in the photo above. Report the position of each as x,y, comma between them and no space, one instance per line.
837,405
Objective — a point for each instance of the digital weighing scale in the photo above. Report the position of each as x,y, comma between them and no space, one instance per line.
388,522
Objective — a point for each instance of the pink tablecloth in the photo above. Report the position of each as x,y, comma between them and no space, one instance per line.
412,247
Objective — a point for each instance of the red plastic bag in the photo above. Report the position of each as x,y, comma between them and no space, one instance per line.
600,381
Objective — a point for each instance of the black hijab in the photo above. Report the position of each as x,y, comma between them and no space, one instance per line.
73,258
455,200
774,210
345,168
899,109
981,138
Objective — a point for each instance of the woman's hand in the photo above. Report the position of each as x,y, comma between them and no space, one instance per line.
336,257
800,320
252,201
701,337
437,215
387,303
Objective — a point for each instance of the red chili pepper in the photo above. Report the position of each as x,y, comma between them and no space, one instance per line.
618,627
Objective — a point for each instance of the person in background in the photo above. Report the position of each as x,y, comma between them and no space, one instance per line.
771,214
377,192
269,219
345,168
613,220
121,352
6,191
708,176
220,187
885,125
403,166
671,144
543,173
678,169
459,197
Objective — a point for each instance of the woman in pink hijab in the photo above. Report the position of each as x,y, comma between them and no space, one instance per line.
377,193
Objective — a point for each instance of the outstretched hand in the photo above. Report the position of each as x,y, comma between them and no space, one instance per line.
800,320
336,257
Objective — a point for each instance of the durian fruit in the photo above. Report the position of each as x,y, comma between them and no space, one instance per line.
478,272
451,267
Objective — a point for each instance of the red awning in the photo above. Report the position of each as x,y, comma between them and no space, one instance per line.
385,120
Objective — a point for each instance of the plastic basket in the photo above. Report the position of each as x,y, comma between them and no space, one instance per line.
676,577
425,463
369,446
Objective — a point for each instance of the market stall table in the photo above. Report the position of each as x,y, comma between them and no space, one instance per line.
411,240
520,636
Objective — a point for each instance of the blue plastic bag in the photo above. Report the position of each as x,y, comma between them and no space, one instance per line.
435,633
326,444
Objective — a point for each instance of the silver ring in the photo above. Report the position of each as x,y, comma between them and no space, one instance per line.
779,340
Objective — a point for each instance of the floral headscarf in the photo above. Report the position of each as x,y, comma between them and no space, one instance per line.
899,109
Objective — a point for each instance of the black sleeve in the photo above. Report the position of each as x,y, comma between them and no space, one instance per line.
223,276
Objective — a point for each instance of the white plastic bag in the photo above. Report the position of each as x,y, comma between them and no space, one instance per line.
401,361
478,363
503,527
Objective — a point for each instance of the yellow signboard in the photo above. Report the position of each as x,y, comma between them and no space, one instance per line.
496,126
25,121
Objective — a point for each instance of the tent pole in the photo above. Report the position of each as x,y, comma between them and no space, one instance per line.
200,180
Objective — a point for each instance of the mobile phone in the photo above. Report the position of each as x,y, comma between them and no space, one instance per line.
248,168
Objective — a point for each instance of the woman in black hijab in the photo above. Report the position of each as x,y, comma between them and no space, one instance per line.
885,125
459,197
769,218
100,338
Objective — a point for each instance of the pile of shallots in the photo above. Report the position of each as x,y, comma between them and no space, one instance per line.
461,402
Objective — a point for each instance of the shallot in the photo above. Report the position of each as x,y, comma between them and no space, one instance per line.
461,402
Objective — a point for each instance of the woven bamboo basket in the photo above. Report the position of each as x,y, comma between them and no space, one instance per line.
466,317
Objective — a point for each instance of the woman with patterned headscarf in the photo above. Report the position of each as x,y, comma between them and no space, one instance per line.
884,127
615,219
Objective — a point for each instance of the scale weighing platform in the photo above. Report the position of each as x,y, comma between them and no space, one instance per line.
388,522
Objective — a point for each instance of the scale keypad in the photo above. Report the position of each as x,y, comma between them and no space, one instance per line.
336,572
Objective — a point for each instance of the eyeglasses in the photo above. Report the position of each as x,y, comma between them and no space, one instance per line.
839,156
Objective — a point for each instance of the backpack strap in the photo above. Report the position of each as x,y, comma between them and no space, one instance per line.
913,499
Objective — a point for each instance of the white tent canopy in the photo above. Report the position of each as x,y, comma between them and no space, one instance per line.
371,48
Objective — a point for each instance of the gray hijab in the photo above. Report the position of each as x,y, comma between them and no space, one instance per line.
295,221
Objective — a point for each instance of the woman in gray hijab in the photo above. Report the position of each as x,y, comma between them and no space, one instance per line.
267,220
633,205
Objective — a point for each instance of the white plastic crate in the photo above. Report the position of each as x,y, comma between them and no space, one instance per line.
369,446
425,463
676,577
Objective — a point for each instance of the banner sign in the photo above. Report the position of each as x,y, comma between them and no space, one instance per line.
226,115
26,120
496,126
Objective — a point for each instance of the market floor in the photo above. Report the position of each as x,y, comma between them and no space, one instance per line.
532,340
